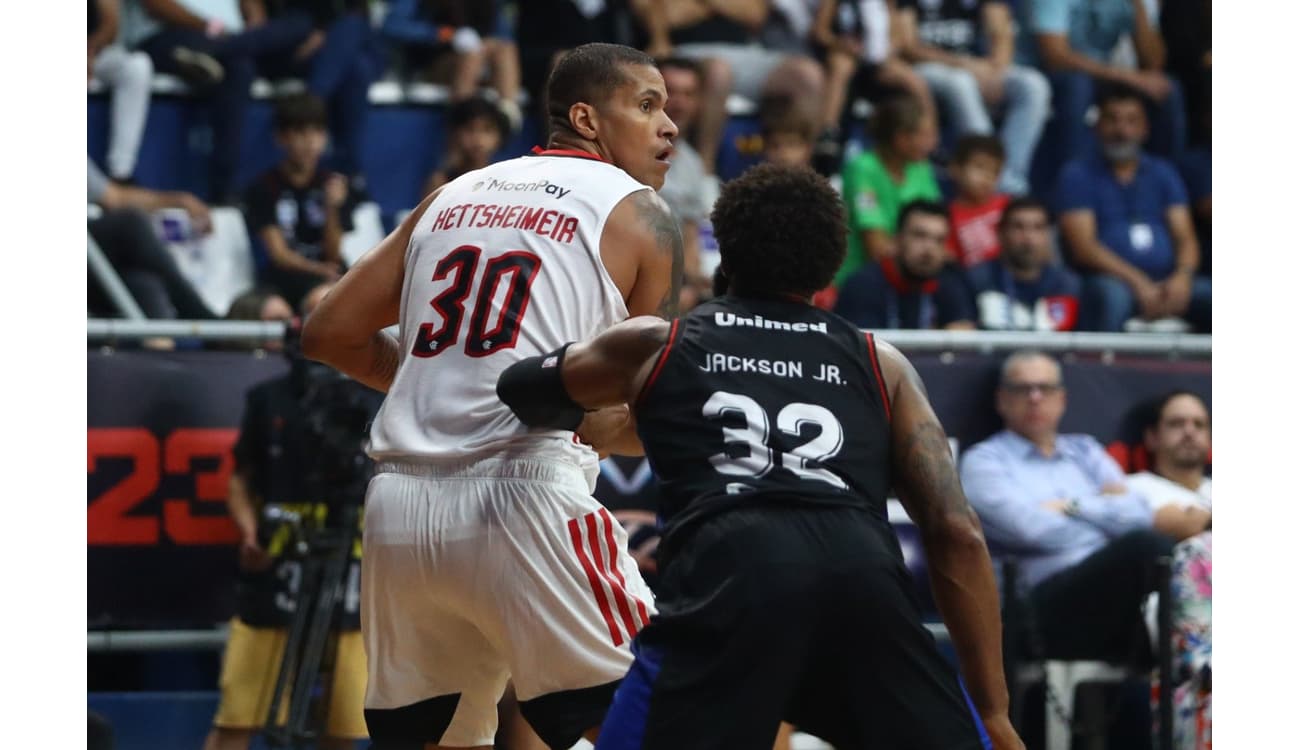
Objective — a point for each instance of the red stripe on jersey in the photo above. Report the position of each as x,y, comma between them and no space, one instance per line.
620,596
880,380
575,533
609,543
663,357
539,151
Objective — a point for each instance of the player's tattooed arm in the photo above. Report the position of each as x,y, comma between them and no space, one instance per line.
961,573
658,218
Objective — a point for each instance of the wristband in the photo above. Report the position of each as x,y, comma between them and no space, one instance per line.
534,390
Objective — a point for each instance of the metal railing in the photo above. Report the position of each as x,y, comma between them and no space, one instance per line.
1174,345
214,639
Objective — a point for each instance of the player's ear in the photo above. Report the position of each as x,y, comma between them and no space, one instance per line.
583,118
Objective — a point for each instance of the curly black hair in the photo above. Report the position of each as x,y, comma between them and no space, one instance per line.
588,73
780,230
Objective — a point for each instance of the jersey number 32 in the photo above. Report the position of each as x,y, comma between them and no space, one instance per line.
747,453
514,270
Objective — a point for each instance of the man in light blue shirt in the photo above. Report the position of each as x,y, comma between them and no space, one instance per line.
1058,504
1074,41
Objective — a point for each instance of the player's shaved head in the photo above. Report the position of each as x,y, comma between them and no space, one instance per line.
589,73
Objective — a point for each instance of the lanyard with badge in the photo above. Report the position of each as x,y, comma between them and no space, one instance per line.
925,311
1140,235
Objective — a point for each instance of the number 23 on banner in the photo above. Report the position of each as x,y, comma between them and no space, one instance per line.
109,516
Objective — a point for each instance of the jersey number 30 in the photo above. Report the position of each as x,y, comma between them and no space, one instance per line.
746,451
515,269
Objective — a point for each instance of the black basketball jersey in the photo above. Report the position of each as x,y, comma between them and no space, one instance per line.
765,400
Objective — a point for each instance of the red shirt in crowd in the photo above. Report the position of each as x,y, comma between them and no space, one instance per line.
974,235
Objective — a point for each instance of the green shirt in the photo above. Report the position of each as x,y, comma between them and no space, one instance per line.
874,200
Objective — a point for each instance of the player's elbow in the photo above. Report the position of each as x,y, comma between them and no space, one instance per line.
956,530
315,338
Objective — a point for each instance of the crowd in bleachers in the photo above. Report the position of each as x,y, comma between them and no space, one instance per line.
1005,164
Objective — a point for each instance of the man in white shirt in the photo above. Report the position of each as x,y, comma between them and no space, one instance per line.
1178,442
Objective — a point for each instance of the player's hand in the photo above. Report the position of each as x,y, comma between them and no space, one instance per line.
252,558
603,428
1002,734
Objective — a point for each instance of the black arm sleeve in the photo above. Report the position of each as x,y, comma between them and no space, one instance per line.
534,391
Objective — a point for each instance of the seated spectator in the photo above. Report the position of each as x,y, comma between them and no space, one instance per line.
463,35
128,75
125,233
260,304
913,289
214,47
297,212
964,52
877,183
852,40
1177,442
476,129
1085,542
1186,32
788,133
724,37
978,206
685,189
546,29
1125,220
338,61
1025,289
1075,40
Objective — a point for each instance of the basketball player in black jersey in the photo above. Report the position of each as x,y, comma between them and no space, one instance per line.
777,431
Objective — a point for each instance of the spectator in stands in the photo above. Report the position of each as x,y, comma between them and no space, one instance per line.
125,233
297,212
546,29
977,207
1025,289
685,190
338,61
964,49
724,36
1124,217
788,132
877,183
852,39
458,40
1177,441
129,76
476,129
1086,544
915,288
265,305
1186,33
272,459
211,45
1074,40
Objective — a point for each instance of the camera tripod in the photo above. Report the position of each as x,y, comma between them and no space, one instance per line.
326,556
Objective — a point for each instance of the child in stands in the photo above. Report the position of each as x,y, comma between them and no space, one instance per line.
476,130
974,213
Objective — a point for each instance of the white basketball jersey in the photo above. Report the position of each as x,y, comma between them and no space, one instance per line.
504,264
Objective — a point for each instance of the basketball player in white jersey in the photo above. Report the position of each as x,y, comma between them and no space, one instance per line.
486,557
